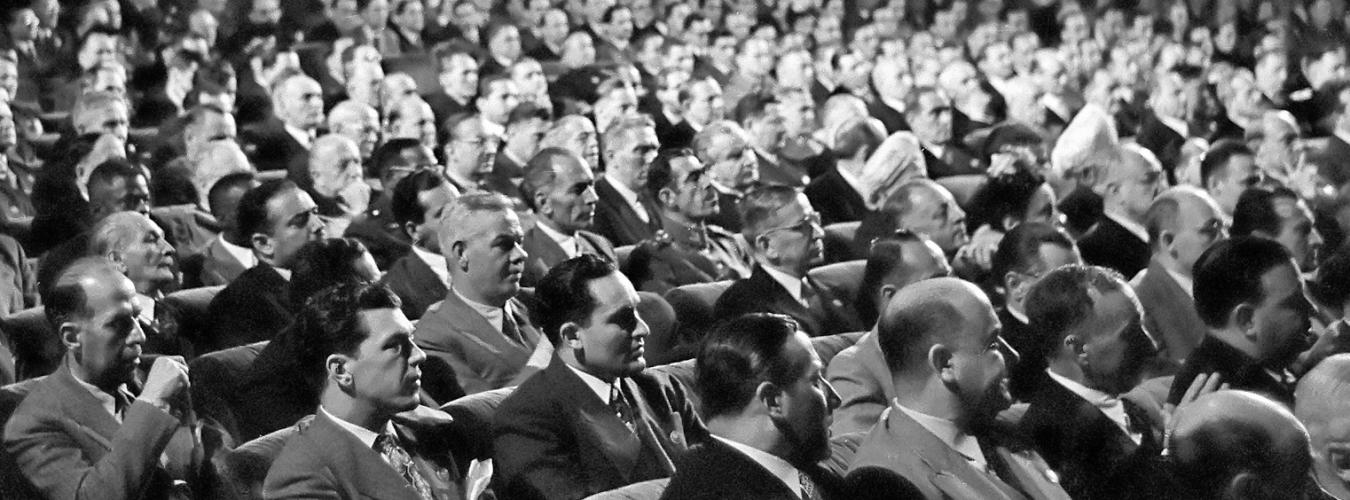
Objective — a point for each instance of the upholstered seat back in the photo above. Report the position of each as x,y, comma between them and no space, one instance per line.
693,305
216,378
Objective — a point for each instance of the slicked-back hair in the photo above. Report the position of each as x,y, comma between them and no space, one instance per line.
706,141
112,170
94,100
884,256
1229,274
914,98
321,264
404,203
1003,196
660,175
450,129
236,180
1020,249
65,299
1061,300
564,294
1218,156
541,171
854,136
253,217
1255,210
740,354
455,219
760,206
330,323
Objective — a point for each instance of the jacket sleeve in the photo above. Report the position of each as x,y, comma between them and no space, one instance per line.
862,402
533,459
50,457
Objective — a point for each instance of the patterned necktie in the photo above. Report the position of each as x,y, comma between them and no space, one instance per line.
621,407
808,487
388,446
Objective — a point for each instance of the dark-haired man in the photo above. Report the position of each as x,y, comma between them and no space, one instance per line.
768,412
379,228
229,254
561,190
593,420
371,371
1094,342
420,278
1024,256
1228,169
1283,216
278,218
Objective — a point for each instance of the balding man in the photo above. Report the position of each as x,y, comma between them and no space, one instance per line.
921,206
940,341
860,375
1127,187
1093,341
334,179
623,214
420,278
217,160
481,332
890,78
1182,223
137,244
840,193
1237,444
285,138
1322,404
733,164
561,191
410,117
358,122
786,241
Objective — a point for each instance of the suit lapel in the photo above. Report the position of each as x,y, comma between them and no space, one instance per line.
544,249
84,410
650,431
421,279
948,470
597,423
372,476
462,319
783,301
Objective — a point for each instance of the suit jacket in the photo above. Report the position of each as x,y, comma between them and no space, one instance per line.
835,198
773,170
729,214
218,267
1169,313
892,118
270,147
616,220
544,253
954,161
443,106
901,459
1111,245
554,438
1164,142
379,232
1093,456
760,293
252,308
506,177
69,446
1026,374
1237,370
672,135
415,284
19,290
679,256
481,357
324,460
716,471
860,375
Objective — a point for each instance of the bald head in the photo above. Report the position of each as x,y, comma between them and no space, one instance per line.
334,163
926,313
1237,444
1322,404
925,207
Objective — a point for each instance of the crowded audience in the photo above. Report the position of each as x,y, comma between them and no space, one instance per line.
642,249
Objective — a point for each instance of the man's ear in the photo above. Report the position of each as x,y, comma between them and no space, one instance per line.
457,250
1011,281
410,228
262,243
667,197
1243,316
336,364
570,334
887,291
70,335
772,397
940,359
1243,485
541,203
116,258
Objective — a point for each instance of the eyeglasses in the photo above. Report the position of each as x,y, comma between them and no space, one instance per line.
808,222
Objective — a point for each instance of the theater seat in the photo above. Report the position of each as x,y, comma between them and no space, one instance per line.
660,319
839,241
189,308
840,278
37,350
646,490
246,466
215,379
963,187
473,424
693,305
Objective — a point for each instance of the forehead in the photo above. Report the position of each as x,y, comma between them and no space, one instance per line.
1281,281
682,166
1054,256
571,170
611,293
494,223
108,293
380,324
1290,209
1114,305
1195,210
288,203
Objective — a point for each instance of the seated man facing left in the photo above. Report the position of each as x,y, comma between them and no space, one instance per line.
371,371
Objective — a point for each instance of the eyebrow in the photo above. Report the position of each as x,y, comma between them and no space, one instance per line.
623,313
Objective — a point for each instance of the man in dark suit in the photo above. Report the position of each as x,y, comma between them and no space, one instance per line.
1182,223
459,83
562,192
839,193
1165,125
354,447
786,239
621,212
229,254
939,439
91,429
929,112
378,228
421,277
1096,348
481,331
284,139
888,78
594,419
1128,187
768,413
279,219
1248,292
725,148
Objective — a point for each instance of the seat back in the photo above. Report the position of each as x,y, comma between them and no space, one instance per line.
693,305
246,466
841,279
646,490
660,319
36,348
839,241
473,423
189,308
215,380
963,187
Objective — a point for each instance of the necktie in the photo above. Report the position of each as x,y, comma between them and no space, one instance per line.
510,328
620,405
808,487
403,464
810,298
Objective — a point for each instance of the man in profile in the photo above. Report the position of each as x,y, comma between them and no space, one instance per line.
1322,404
371,371
769,410
594,419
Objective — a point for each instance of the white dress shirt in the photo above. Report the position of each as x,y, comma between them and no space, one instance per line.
494,315
779,468
436,262
301,135
243,255
362,434
104,399
599,387
630,197
1109,405
568,243
791,283
947,432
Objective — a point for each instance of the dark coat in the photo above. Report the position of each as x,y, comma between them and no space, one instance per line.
270,147
616,220
544,253
1111,245
760,293
1234,368
835,198
415,284
1169,314
716,471
893,119
250,309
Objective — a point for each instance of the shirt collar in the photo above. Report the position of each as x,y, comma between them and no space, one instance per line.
1020,316
780,468
853,181
493,128
1109,405
105,400
1133,227
302,136
1343,135
599,387
568,243
362,434
492,314
898,106
791,283
947,432
243,255
1185,282
628,196
1176,125
436,262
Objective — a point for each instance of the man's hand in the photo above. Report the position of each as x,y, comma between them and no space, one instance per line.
1334,339
980,251
1204,383
166,385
